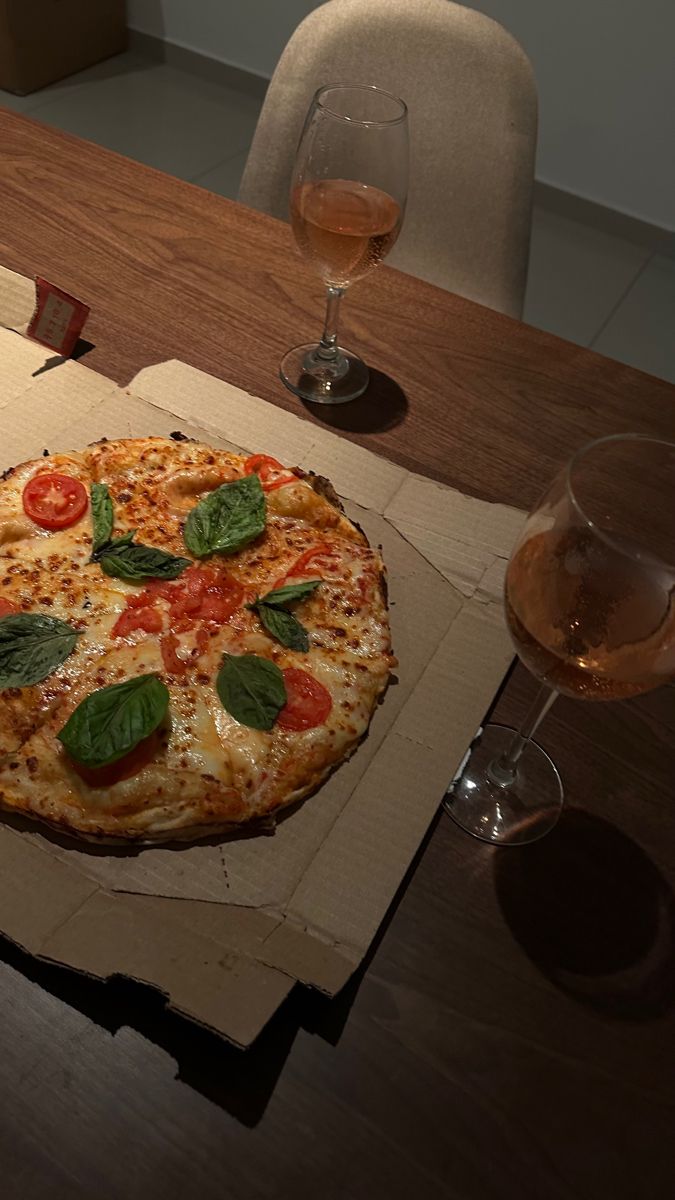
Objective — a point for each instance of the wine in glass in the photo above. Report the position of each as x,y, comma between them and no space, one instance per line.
590,605
348,196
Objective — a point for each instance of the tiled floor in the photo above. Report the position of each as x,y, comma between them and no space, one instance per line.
593,288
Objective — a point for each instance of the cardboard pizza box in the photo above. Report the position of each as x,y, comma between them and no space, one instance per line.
225,928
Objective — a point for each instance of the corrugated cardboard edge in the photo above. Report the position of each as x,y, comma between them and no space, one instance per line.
233,971
214,979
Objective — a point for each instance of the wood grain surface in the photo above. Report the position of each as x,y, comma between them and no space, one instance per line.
511,1033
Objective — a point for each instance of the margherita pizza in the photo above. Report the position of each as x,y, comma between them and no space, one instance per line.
189,639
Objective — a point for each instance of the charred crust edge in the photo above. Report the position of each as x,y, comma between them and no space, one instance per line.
322,486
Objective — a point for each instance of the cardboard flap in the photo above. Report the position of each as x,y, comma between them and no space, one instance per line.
399,793
467,540
203,977
40,393
17,299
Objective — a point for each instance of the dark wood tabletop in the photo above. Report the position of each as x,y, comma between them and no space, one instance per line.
511,1034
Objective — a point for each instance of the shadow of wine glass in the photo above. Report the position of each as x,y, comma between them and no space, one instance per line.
382,406
594,914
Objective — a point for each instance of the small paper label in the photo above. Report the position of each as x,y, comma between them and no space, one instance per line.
58,319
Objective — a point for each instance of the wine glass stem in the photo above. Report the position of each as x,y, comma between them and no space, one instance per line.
328,347
503,770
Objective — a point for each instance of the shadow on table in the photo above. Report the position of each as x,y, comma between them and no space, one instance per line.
82,347
594,914
240,1081
382,406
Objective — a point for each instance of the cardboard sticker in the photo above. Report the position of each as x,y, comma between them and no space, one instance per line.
58,319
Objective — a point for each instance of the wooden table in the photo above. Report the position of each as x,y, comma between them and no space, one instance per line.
512,1032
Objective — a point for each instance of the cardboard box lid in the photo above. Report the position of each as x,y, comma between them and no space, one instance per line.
224,930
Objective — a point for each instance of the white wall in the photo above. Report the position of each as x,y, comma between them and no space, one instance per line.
605,70
606,76
247,33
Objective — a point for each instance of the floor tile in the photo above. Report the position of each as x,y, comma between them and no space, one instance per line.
21,104
119,64
642,330
157,114
226,177
577,275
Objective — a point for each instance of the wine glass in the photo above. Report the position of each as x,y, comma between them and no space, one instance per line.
348,196
590,604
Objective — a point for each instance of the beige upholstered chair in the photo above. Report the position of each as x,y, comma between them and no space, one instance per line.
473,120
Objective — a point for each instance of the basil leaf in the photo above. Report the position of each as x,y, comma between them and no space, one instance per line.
251,689
125,560
121,557
31,647
283,626
227,519
113,545
125,540
110,722
280,597
101,516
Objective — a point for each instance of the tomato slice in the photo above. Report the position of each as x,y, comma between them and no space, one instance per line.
181,625
54,501
269,470
7,607
183,603
124,768
262,462
150,593
221,599
217,607
172,663
308,702
206,594
201,594
148,619
270,485
168,645
323,550
202,639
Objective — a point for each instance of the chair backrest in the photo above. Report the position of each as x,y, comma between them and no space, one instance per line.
472,102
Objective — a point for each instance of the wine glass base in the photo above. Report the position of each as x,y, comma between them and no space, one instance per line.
505,816
324,380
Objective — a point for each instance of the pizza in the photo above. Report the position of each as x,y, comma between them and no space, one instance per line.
190,639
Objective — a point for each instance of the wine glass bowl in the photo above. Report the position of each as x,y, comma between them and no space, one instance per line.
343,228
589,588
590,605
348,196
